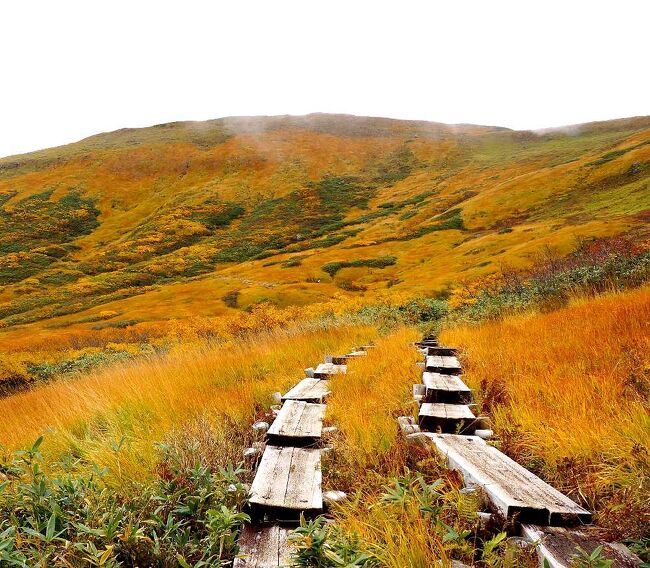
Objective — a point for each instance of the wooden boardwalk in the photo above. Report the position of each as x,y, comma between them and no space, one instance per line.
441,351
325,370
445,388
264,546
558,545
448,365
298,423
446,418
512,490
546,516
287,484
309,390
288,481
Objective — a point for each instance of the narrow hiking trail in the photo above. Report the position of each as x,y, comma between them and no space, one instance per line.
288,480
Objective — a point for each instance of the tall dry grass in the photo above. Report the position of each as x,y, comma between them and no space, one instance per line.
113,417
569,395
367,452
366,401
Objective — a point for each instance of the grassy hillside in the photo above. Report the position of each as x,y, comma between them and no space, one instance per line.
185,219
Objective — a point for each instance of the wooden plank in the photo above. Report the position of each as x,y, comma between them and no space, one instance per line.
448,365
511,488
325,370
357,354
308,390
448,418
264,546
287,483
445,388
298,423
446,351
339,359
558,545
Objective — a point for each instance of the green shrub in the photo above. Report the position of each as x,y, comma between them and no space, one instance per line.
189,515
381,262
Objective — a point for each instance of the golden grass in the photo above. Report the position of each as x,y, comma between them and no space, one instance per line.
144,399
568,392
366,401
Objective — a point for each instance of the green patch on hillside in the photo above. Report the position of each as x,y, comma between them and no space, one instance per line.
35,231
381,262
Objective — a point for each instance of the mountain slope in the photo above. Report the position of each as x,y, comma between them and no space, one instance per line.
203,218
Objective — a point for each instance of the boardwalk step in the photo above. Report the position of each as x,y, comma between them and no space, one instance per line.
298,423
308,390
445,388
448,365
512,490
287,483
559,545
357,354
324,370
447,418
264,546
442,351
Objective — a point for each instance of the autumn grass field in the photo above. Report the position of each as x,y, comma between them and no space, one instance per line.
142,400
567,390
569,394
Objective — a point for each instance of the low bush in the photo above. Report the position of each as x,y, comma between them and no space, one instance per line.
595,266
186,516
381,262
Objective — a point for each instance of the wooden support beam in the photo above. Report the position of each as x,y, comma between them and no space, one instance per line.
264,546
298,423
513,491
558,545
308,390
287,484
445,388
447,365
446,418
407,425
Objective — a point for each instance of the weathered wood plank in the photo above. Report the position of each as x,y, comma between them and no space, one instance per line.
511,489
357,354
558,545
325,370
287,483
445,388
442,351
447,365
298,423
264,546
308,390
448,418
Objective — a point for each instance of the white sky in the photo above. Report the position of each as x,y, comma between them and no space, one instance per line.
70,69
